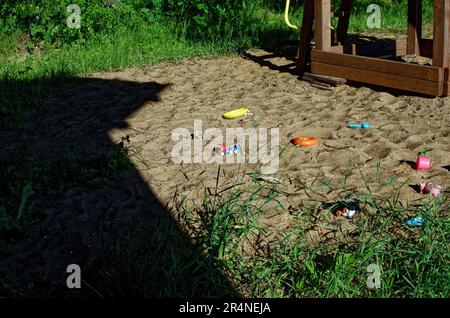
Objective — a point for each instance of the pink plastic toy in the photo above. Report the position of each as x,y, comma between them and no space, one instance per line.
430,187
223,150
422,162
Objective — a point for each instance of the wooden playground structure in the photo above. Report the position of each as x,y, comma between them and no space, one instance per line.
375,62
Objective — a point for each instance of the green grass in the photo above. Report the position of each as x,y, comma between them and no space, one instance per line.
230,238
394,16
413,261
8,46
50,69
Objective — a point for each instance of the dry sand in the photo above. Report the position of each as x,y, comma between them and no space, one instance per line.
402,126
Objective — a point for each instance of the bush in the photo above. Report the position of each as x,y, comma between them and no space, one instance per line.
204,19
46,20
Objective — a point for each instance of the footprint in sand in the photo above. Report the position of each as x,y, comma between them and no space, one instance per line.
378,151
445,133
413,142
396,136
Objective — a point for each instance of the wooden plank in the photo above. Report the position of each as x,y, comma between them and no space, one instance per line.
414,26
440,32
344,21
447,57
304,52
379,78
337,49
322,9
331,80
401,46
423,72
446,89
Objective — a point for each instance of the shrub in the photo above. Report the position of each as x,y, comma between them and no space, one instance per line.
207,18
46,20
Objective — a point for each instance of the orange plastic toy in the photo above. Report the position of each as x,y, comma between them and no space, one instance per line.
305,142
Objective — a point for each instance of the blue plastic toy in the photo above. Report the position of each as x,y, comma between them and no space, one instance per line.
360,126
233,149
418,221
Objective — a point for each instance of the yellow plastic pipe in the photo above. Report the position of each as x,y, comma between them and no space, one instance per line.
286,16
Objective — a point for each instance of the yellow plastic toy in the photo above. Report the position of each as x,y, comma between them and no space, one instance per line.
236,113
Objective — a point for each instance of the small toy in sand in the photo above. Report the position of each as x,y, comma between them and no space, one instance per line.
305,142
347,210
418,221
237,113
360,126
223,151
430,187
422,162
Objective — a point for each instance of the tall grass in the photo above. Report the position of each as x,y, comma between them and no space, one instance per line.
230,234
413,260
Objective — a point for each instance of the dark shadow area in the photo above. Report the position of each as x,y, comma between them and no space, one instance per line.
285,50
415,187
370,46
383,89
264,62
447,168
410,163
89,205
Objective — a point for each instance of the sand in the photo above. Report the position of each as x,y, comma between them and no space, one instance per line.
402,126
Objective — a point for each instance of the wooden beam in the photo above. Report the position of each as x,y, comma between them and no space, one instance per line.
379,78
304,51
315,78
344,21
414,26
363,64
322,10
446,88
401,47
440,33
337,49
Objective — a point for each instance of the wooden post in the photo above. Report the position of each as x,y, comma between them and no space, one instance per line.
414,26
344,21
305,36
322,10
440,33
431,80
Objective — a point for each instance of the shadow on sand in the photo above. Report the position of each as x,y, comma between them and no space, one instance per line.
125,241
